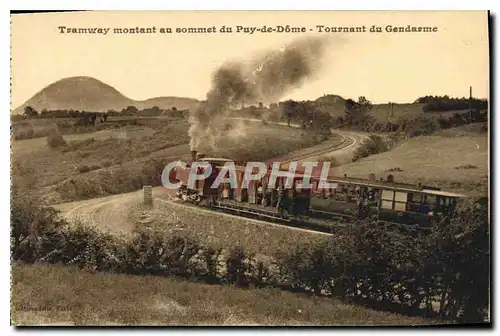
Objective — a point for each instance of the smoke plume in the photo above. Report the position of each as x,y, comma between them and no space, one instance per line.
266,78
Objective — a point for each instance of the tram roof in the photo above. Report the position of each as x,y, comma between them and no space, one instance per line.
397,186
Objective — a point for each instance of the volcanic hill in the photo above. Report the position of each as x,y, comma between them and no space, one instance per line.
89,94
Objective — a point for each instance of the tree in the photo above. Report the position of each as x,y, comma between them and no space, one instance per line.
356,113
289,107
30,112
130,110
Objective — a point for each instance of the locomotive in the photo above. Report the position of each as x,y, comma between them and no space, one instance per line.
315,207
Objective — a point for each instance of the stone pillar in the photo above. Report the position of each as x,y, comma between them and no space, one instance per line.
148,195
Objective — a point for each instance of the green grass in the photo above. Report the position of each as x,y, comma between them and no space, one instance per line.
62,295
432,160
130,150
250,141
388,113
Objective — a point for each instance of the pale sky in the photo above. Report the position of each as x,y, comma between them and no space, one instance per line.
384,67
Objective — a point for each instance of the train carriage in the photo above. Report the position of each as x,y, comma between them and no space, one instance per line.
388,201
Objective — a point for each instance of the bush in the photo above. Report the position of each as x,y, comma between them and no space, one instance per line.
35,229
206,266
55,139
370,263
422,126
373,145
83,169
80,187
153,253
107,163
237,267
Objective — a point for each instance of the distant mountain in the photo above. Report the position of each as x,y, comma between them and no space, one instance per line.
180,103
332,104
89,94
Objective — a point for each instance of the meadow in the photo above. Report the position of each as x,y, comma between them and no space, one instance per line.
455,159
122,156
55,295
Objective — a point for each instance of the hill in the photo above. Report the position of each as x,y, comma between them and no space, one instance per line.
455,159
180,103
90,94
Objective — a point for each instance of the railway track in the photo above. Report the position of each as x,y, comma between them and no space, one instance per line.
344,142
255,217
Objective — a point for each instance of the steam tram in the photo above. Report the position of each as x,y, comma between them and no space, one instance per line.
318,208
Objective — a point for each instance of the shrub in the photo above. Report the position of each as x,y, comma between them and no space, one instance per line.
35,228
153,253
79,187
333,161
373,145
370,263
466,166
422,126
107,163
55,139
236,267
87,247
207,265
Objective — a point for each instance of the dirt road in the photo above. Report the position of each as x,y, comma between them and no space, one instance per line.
108,213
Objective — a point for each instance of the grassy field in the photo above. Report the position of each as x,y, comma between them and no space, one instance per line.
387,112
455,159
39,128
54,295
392,113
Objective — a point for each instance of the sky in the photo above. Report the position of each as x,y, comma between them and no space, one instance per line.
383,67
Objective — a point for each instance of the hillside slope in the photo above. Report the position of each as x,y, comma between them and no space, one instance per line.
90,94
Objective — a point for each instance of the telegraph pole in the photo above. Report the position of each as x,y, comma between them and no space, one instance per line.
470,104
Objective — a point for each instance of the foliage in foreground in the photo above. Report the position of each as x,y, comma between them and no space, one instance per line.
372,145
368,264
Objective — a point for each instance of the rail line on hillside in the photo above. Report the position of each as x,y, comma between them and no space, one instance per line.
97,210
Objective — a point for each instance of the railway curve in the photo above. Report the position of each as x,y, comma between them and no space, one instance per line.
109,212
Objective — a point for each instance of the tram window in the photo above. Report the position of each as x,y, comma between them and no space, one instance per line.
447,203
400,206
430,199
416,198
429,203
387,199
401,197
388,195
